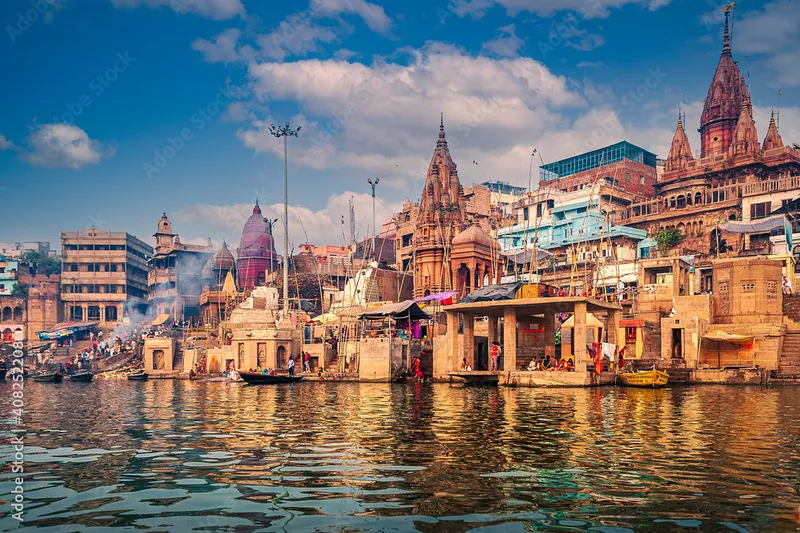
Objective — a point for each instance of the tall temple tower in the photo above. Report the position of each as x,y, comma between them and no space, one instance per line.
440,217
723,105
256,252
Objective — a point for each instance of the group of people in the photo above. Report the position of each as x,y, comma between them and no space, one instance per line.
551,363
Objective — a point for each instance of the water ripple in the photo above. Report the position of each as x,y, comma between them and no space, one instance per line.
191,456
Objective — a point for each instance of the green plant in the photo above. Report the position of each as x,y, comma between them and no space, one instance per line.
44,263
668,238
20,290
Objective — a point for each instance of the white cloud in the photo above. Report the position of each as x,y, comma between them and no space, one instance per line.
223,49
5,144
383,118
213,9
506,44
472,8
343,54
373,15
63,145
305,225
298,35
386,116
589,8
773,32
590,64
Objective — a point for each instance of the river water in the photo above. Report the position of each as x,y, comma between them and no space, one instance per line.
218,457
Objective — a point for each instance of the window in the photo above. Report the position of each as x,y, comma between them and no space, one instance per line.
630,335
641,180
628,177
525,214
759,210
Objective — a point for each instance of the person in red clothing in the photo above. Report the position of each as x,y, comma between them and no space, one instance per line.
495,355
418,370
307,362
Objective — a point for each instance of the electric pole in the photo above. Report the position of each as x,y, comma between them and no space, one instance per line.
373,184
285,132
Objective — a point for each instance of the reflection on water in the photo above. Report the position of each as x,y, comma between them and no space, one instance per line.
183,456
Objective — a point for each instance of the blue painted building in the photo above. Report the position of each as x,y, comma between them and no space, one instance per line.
568,219
8,275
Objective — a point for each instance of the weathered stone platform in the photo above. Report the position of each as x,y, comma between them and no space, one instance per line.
546,378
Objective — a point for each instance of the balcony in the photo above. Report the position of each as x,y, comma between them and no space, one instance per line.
766,187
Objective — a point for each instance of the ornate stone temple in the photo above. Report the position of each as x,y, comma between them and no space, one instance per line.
735,176
174,273
441,240
256,253
219,287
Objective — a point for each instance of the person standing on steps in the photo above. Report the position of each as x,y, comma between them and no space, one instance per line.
291,365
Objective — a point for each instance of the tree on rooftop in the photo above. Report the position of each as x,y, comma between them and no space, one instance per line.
20,290
668,238
42,262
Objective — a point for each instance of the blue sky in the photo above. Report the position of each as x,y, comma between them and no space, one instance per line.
113,111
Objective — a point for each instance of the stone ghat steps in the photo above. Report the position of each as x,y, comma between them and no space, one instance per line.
789,364
791,307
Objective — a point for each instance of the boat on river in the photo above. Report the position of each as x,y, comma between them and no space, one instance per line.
644,378
256,378
138,376
48,378
3,370
81,377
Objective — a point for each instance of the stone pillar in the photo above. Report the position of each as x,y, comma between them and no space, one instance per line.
579,337
492,322
613,326
510,339
85,311
469,340
102,313
550,333
452,341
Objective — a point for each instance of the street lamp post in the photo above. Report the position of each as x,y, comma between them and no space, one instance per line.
285,132
373,184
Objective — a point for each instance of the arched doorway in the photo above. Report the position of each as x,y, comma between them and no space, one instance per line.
111,314
6,314
18,314
280,359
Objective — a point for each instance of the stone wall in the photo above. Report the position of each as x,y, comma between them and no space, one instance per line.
375,362
763,353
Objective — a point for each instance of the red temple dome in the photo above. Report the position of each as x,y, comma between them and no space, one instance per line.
256,252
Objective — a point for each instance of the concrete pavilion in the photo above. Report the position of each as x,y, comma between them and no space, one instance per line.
527,311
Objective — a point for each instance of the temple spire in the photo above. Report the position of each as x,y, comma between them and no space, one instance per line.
773,139
745,139
441,125
680,153
726,43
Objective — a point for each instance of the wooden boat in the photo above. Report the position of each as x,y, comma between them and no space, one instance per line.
48,378
256,378
644,378
3,370
81,377
138,376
